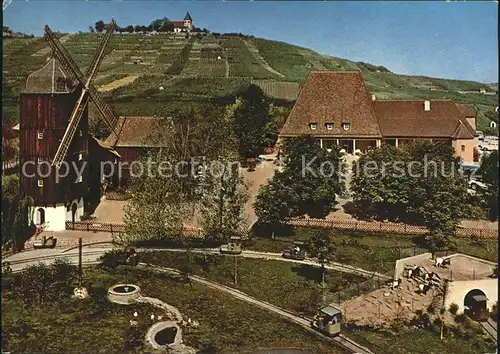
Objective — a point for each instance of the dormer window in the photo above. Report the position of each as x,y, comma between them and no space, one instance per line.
346,126
329,126
80,156
313,126
40,135
80,132
61,85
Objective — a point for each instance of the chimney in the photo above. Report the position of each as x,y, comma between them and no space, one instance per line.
427,106
373,97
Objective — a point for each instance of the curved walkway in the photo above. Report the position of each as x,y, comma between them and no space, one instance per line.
305,322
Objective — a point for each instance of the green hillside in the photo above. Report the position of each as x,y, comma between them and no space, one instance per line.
213,70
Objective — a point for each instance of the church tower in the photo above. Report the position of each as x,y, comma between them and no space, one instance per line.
188,21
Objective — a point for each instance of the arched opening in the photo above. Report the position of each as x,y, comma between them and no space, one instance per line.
475,305
73,212
40,216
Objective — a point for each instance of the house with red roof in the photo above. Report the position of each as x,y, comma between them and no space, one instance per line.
337,109
183,26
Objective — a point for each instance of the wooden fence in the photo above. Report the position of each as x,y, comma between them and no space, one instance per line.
95,226
386,227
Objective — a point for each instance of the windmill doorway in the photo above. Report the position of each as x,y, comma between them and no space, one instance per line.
40,216
475,305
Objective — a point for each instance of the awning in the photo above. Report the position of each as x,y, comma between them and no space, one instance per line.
330,311
479,298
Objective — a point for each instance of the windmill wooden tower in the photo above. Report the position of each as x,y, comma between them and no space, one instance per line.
54,134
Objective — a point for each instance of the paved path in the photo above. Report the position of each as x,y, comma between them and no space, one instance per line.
24,259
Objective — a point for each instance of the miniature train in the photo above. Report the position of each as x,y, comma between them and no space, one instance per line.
328,321
232,247
298,251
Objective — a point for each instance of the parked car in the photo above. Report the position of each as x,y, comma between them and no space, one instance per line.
477,185
46,242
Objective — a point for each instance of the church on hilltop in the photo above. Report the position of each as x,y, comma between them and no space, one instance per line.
183,26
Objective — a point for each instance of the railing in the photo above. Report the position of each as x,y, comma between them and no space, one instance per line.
386,227
96,226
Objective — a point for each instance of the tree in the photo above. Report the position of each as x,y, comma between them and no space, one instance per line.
137,28
17,221
420,183
489,174
322,246
251,120
99,26
130,29
91,29
222,205
307,185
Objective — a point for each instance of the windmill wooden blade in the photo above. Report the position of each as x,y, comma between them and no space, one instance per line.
72,69
94,64
82,101
74,120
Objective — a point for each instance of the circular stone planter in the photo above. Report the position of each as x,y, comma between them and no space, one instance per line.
163,334
124,294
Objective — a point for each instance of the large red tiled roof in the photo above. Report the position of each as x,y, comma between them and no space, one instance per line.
407,118
333,97
467,109
178,24
137,131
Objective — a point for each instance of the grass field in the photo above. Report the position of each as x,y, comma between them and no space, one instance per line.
376,252
288,285
98,326
150,58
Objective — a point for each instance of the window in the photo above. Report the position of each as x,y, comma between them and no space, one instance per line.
81,132
80,156
329,126
462,147
40,160
40,135
40,183
80,178
313,126
61,86
346,126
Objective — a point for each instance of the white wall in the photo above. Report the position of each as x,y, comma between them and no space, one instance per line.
55,218
458,289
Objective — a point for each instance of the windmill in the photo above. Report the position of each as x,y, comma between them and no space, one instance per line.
88,90
54,129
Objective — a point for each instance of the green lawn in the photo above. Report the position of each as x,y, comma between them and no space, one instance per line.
98,326
375,252
404,340
288,285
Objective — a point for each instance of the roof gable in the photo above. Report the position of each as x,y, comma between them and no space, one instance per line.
333,97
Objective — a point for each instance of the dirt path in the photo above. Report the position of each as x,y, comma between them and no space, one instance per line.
259,57
127,80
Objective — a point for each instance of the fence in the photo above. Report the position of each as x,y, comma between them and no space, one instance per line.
354,290
93,226
386,227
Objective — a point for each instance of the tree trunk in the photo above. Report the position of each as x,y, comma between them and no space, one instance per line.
235,270
322,275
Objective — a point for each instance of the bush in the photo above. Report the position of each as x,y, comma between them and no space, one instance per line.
494,311
114,258
453,309
460,318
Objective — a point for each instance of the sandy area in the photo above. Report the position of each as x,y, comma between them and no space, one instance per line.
118,83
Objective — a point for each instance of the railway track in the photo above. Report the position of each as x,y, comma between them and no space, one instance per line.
340,340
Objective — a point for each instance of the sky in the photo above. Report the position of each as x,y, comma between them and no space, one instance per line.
454,40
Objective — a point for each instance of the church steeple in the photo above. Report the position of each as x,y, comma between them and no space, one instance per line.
188,17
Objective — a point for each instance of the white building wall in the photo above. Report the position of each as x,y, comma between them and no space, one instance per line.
55,218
